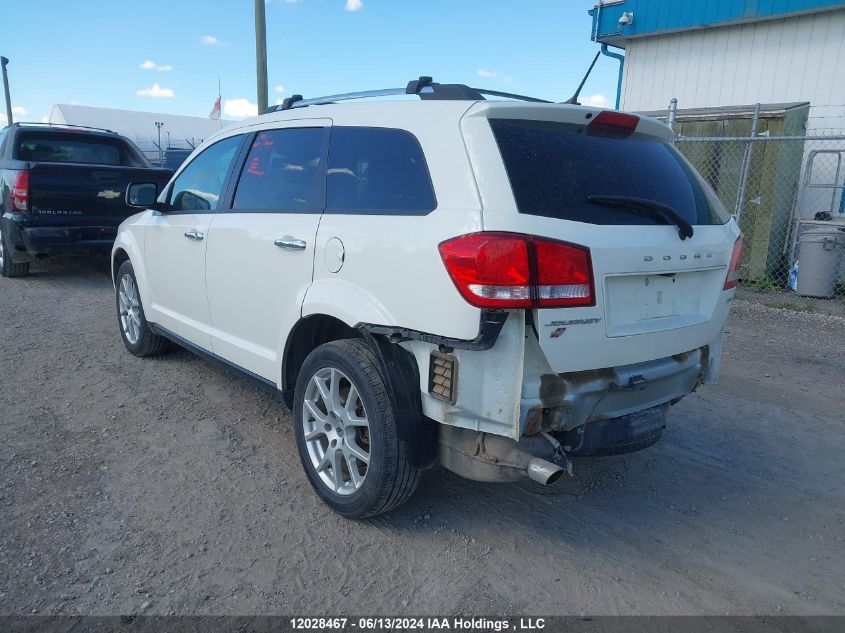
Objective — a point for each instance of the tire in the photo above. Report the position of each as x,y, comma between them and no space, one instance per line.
137,336
7,267
387,479
636,443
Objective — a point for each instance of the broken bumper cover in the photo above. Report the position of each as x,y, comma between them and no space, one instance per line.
569,401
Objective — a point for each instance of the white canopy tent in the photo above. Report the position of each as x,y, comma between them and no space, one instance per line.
178,132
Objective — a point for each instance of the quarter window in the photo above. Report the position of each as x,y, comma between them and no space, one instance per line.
284,171
377,170
199,186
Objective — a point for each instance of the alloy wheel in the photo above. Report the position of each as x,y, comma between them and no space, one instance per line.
336,430
130,309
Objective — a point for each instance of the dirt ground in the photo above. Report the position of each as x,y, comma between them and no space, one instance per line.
173,486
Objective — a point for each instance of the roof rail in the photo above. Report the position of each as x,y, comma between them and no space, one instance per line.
61,125
425,87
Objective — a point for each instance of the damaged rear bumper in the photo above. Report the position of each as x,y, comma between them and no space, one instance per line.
563,402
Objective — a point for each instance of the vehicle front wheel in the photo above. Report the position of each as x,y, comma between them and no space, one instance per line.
346,432
134,329
7,267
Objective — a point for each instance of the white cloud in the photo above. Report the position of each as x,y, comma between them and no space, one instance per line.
155,91
596,100
279,101
45,119
151,65
279,89
17,112
486,73
239,108
354,5
210,40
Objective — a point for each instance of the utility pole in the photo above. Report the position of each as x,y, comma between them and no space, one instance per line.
3,62
159,125
261,55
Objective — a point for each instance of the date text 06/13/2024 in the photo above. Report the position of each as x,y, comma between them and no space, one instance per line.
433,623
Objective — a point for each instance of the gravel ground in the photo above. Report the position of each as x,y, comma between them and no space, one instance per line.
172,486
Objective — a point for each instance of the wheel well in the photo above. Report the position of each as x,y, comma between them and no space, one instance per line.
119,257
307,335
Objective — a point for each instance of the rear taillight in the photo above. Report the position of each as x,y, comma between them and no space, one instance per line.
613,124
19,191
564,274
736,263
511,270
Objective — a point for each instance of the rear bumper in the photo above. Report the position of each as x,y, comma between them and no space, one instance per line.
568,401
31,241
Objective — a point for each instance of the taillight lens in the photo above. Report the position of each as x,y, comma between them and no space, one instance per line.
564,274
613,124
736,264
19,191
490,270
511,270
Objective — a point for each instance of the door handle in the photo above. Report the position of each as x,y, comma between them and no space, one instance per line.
290,243
194,235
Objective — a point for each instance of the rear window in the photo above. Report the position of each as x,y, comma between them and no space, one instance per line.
68,149
379,171
554,167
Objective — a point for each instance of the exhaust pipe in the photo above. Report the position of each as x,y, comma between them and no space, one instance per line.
485,457
543,472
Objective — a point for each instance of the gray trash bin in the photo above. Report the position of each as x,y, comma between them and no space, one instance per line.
819,258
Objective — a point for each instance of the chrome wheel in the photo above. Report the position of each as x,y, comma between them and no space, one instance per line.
130,309
337,431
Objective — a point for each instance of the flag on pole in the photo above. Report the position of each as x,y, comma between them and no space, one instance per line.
215,111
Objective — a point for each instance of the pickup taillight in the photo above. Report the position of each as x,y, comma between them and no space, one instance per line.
511,270
19,190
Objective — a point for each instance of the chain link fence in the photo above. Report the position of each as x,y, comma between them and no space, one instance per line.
172,152
788,195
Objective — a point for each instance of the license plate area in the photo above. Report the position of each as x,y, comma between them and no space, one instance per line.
643,303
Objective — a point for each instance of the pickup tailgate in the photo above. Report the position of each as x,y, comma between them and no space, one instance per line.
64,193
621,190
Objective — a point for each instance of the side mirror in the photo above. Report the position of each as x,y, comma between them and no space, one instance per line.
142,195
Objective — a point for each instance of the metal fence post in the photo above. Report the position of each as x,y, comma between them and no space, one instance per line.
670,115
746,166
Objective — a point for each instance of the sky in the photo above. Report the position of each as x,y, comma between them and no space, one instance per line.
166,55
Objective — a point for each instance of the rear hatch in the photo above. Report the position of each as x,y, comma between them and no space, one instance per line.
614,184
76,178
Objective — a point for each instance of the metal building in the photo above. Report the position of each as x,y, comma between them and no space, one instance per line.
166,139
713,53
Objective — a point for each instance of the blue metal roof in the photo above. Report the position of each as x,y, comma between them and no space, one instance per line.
651,17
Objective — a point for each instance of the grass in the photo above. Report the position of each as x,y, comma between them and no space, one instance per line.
764,283
795,307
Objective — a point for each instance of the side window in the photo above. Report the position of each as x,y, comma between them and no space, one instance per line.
2,140
377,170
284,171
200,184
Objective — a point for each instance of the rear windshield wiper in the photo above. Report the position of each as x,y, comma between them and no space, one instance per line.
646,208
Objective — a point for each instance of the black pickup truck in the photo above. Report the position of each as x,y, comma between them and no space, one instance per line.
63,190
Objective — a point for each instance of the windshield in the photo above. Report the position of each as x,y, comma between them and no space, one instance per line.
554,167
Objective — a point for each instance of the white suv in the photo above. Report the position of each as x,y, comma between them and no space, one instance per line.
495,285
